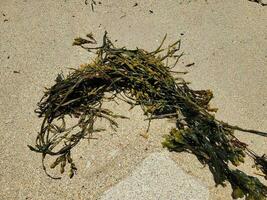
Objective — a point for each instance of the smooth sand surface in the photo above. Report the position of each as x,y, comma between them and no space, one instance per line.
150,183
226,39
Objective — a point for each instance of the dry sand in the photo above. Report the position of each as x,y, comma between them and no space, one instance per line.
227,40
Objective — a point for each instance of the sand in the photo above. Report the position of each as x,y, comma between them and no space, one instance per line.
227,41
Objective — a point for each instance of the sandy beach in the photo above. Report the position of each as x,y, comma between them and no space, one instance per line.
227,41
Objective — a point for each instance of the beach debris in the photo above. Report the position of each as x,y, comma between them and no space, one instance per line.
190,64
259,2
141,78
122,16
93,4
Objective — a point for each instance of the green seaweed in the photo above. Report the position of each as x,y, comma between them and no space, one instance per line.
141,78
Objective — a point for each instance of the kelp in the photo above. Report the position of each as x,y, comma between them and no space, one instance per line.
141,78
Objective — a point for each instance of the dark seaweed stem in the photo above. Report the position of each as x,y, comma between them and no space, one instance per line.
259,2
140,78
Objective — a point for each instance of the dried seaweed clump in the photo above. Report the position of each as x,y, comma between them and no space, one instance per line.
140,78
